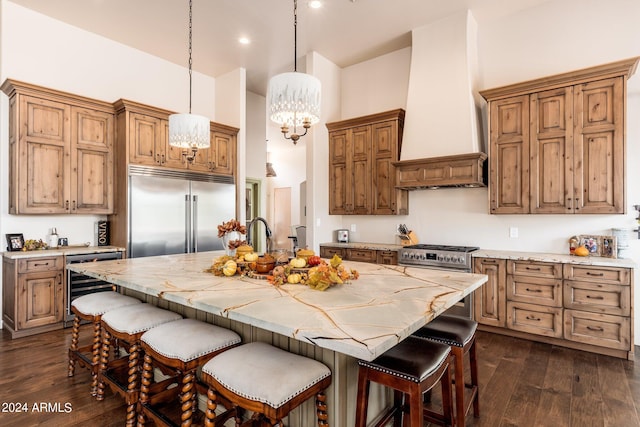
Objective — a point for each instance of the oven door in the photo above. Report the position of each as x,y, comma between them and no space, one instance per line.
464,307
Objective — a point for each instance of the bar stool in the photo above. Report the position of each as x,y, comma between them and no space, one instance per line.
180,347
266,380
411,368
460,335
121,374
90,308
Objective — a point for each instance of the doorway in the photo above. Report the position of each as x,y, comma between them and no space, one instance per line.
252,200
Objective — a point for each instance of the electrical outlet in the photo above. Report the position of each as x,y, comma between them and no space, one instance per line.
353,228
317,222
513,232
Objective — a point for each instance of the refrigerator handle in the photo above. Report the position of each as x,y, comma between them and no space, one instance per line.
194,229
187,221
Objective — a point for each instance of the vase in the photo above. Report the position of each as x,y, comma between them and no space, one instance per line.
229,237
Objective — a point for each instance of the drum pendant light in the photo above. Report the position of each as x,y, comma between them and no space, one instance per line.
190,132
294,98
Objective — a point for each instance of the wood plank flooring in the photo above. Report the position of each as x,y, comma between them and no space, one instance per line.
522,383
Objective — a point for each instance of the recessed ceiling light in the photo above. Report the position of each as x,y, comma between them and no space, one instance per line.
244,40
315,4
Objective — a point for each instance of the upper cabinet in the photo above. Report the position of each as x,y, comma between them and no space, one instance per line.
143,140
60,152
557,144
362,175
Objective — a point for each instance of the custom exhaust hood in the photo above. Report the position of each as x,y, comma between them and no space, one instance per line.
441,145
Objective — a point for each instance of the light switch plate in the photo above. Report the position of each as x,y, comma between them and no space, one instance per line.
353,228
513,232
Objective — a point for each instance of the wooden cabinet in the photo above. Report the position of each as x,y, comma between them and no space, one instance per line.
557,144
534,297
489,301
32,295
362,176
578,306
60,152
598,302
143,139
379,256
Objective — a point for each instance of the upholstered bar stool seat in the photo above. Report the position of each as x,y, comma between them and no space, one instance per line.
460,334
121,374
90,308
266,380
181,347
411,368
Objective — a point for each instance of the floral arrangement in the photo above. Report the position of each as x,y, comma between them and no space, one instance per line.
230,226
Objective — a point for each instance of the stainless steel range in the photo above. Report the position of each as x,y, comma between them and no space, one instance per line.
442,257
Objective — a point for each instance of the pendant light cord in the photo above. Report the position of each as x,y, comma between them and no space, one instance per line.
190,49
295,35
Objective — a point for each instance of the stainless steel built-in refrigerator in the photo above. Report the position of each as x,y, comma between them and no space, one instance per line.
176,212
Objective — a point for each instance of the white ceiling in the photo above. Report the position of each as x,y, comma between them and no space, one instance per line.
344,31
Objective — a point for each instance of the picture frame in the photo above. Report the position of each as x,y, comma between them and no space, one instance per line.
609,246
592,243
15,242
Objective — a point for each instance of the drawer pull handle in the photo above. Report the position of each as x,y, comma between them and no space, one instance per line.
533,268
596,297
37,264
595,328
589,273
534,290
537,319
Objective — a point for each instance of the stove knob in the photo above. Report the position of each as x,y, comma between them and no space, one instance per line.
461,260
423,256
447,258
439,257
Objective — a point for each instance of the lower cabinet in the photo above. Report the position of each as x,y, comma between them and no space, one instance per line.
32,295
579,306
377,256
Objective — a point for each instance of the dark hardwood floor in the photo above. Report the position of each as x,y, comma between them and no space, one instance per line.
522,383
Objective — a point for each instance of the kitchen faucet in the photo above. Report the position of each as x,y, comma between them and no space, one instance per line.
267,232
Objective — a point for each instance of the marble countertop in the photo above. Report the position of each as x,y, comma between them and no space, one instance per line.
62,250
364,245
362,319
560,258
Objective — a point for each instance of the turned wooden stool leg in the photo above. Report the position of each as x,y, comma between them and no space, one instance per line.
186,398
104,360
145,383
75,336
210,413
132,383
95,355
321,409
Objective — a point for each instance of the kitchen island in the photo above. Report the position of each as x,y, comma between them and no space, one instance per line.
361,319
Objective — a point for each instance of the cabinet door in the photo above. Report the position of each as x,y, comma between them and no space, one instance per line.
490,299
92,161
387,257
509,155
359,194
43,157
385,152
223,146
551,151
40,298
599,147
170,156
338,172
146,136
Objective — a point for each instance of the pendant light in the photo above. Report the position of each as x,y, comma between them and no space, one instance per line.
294,98
189,131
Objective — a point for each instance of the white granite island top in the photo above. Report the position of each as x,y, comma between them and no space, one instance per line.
361,319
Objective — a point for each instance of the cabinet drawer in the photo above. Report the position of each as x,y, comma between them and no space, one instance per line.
534,319
597,297
537,269
534,290
364,255
330,251
387,257
29,265
598,329
620,276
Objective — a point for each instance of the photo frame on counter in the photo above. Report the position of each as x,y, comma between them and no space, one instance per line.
592,243
15,242
609,246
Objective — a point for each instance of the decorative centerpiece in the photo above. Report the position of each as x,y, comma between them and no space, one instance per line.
232,234
314,272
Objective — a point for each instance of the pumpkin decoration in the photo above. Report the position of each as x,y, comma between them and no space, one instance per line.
314,260
230,267
582,251
298,262
294,278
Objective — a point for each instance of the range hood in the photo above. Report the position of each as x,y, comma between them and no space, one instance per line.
441,133
461,170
